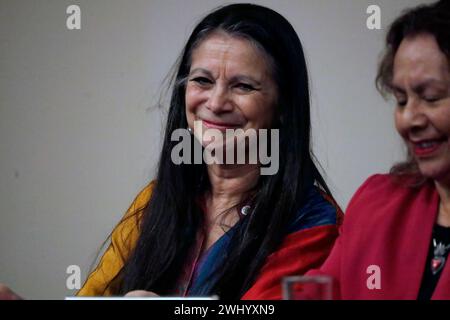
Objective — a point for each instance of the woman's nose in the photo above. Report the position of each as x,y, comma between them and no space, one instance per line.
218,100
414,115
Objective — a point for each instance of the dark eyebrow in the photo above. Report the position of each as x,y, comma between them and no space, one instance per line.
242,78
204,71
237,78
396,89
421,87
418,87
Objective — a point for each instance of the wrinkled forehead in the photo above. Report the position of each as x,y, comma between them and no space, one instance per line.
222,34
419,57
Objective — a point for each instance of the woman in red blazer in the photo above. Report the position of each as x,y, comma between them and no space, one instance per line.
395,240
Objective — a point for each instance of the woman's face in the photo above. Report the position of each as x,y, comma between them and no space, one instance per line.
230,85
421,82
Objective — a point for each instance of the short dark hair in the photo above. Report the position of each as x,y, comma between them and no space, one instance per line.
433,19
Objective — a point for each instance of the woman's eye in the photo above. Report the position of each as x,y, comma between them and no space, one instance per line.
245,87
431,99
401,99
401,103
202,81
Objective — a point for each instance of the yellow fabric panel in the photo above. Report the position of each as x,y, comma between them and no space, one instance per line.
123,239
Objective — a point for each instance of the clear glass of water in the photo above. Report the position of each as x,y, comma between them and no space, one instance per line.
307,288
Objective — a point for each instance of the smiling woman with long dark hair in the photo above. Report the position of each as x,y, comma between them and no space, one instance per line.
227,230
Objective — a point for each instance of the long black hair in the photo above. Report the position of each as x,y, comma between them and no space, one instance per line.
173,217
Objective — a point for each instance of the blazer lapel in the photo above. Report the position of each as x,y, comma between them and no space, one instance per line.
409,234
417,240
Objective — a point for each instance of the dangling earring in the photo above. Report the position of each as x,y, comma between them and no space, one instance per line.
190,130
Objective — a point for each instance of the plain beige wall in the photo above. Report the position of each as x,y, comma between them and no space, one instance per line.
79,134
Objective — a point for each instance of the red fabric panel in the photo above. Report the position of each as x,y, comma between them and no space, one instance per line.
299,252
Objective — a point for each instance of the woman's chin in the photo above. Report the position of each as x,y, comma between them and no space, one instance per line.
438,173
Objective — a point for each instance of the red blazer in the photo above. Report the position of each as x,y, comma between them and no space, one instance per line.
388,225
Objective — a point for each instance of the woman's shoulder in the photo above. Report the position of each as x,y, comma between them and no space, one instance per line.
123,239
142,199
380,181
386,187
319,209
384,196
127,230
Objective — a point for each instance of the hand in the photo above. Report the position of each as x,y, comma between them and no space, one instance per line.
7,294
141,293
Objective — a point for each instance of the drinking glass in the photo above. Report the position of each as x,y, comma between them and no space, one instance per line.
307,288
